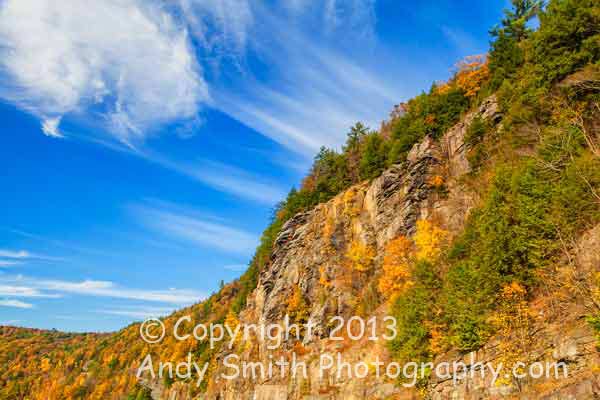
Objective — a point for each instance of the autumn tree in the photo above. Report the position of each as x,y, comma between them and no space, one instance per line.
232,322
360,256
429,240
395,277
513,321
471,73
297,309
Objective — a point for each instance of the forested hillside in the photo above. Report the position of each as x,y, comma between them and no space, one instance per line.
471,215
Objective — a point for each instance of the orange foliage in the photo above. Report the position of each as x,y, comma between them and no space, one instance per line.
472,71
436,181
443,88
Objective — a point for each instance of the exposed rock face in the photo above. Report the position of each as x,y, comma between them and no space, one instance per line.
371,213
311,249
315,242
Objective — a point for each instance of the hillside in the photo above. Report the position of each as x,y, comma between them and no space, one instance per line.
472,216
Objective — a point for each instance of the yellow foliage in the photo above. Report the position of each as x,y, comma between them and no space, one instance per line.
297,308
232,322
295,300
513,320
429,240
348,196
350,203
396,264
360,256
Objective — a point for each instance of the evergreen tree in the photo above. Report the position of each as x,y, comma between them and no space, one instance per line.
352,149
506,56
514,23
373,160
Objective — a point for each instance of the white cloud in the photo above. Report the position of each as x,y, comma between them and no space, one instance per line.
202,231
51,288
357,16
15,303
221,26
50,127
126,63
109,289
25,255
24,291
14,254
131,65
318,84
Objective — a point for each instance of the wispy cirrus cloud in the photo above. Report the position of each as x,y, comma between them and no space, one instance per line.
15,304
225,178
110,289
356,15
67,59
16,289
204,231
25,255
20,254
317,88
236,181
30,287
222,27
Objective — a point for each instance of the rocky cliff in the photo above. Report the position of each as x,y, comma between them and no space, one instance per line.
309,256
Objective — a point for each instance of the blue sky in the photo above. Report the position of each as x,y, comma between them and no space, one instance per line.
143,146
